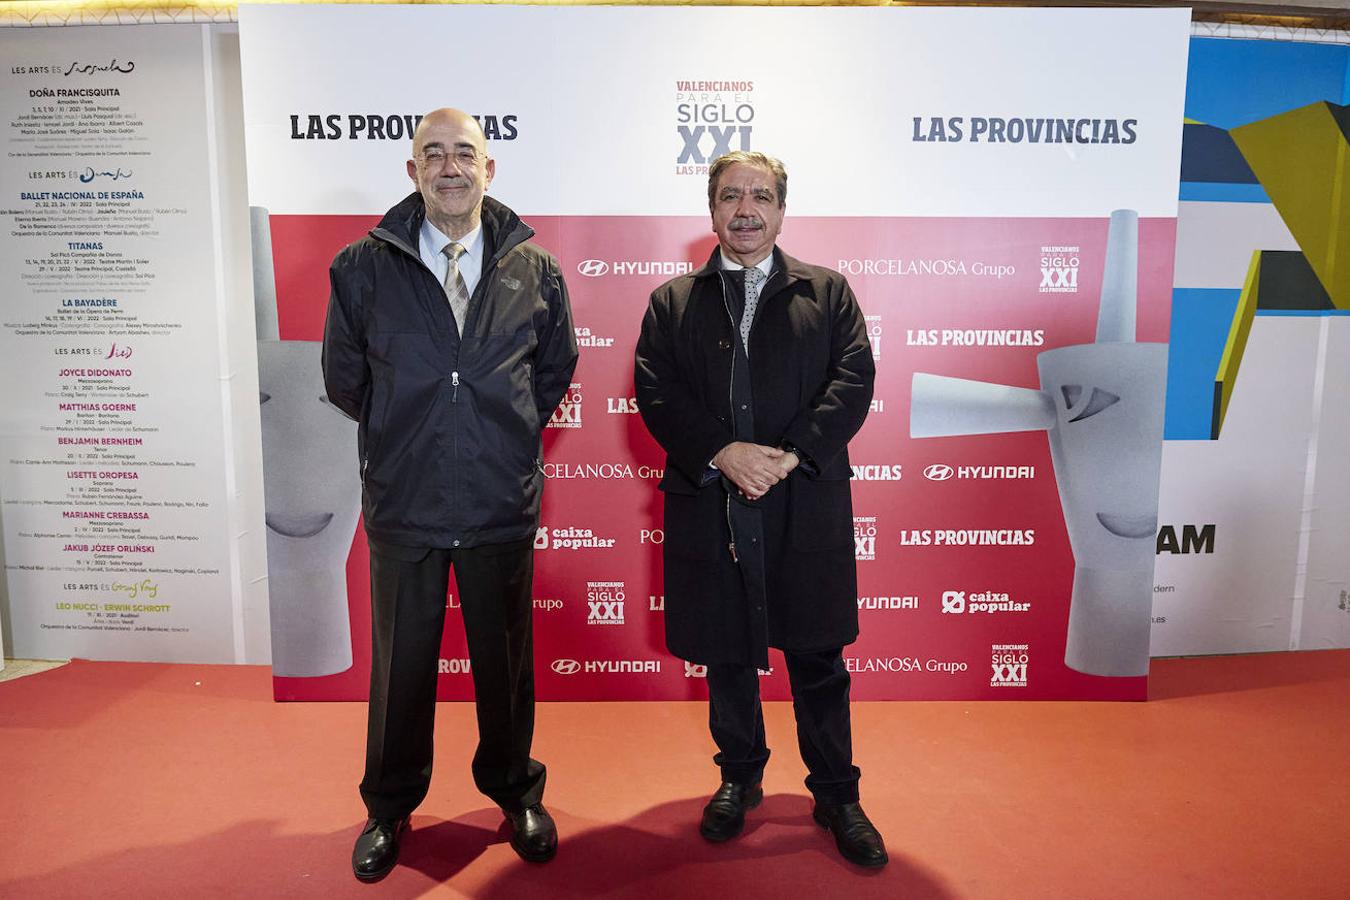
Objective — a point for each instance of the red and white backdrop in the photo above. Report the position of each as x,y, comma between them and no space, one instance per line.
959,166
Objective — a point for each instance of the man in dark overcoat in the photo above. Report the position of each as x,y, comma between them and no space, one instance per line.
753,373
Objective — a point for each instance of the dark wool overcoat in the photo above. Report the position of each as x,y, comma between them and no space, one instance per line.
810,379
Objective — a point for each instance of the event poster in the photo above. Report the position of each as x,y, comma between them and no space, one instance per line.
1256,491
112,461
999,186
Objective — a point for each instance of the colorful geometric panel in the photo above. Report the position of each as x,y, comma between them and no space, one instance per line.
1301,158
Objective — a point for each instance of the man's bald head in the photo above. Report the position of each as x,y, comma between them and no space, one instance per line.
447,115
451,169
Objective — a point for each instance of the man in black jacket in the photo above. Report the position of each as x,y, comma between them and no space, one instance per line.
753,373
449,339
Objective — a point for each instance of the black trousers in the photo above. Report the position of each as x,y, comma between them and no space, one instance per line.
820,686
407,592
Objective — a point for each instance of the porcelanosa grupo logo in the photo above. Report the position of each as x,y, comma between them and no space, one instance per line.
1059,269
865,537
712,118
604,600
568,413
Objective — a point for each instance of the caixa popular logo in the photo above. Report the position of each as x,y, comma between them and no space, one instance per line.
874,335
551,538
587,338
568,413
865,537
963,602
604,601
1059,269
712,118
1009,664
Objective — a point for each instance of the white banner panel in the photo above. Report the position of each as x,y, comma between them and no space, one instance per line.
1227,584
649,114
112,456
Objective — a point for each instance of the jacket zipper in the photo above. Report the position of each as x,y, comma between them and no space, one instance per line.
731,401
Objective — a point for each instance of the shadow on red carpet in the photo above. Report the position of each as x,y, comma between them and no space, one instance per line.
781,853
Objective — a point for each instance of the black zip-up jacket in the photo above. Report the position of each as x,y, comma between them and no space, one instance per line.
449,441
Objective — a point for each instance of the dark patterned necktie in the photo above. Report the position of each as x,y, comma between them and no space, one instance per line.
754,283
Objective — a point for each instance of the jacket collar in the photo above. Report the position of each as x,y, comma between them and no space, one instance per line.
502,228
786,270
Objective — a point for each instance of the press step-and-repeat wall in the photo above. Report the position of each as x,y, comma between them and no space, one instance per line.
999,186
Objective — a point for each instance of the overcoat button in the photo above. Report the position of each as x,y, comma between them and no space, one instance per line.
724,344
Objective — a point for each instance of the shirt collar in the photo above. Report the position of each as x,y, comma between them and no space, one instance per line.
435,240
765,265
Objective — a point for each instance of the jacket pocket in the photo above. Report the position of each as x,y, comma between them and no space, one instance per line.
695,525
822,514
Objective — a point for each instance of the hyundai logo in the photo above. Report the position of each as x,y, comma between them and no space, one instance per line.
593,268
938,472
566,666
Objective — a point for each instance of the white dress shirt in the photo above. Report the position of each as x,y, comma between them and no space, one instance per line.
765,265
431,245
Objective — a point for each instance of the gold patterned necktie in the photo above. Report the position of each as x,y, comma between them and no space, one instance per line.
754,283
455,289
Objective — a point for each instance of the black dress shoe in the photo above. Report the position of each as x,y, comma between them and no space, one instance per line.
855,836
724,816
376,850
535,837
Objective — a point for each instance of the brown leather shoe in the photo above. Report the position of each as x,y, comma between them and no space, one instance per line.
534,836
724,816
855,836
376,850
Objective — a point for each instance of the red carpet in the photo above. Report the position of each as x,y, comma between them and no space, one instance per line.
139,780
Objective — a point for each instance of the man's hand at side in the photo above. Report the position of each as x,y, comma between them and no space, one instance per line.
754,468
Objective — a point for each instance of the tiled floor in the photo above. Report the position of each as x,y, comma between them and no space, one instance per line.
17,668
